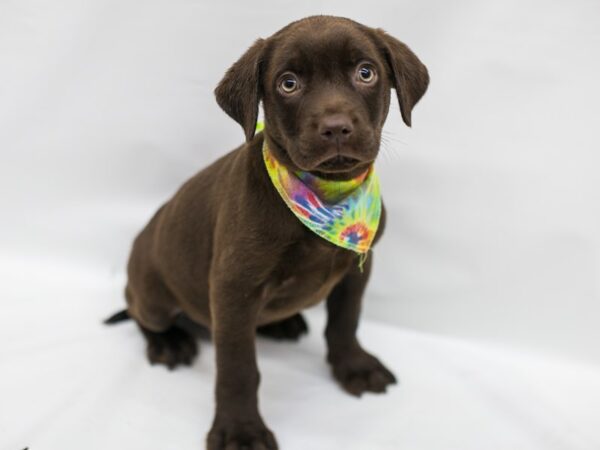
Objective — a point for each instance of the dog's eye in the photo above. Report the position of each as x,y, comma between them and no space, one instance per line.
288,84
365,73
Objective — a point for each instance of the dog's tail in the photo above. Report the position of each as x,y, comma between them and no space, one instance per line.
121,316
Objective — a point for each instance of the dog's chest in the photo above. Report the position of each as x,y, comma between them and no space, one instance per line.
306,273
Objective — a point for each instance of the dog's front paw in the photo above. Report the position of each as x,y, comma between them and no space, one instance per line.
360,372
237,435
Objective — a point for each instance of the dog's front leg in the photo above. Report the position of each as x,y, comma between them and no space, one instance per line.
354,368
237,422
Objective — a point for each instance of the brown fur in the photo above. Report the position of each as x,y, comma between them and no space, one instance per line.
227,252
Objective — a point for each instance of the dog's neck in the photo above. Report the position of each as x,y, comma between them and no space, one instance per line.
283,157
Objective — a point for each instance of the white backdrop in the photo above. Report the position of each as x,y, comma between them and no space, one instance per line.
493,235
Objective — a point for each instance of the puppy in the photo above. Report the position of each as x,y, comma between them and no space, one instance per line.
229,252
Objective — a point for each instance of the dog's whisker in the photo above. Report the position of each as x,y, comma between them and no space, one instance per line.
391,137
389,150
384,150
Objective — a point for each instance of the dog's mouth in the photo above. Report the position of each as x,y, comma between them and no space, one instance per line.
338,163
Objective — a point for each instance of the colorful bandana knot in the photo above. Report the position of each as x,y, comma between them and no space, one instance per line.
345,213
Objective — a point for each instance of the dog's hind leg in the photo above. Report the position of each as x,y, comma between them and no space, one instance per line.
154,310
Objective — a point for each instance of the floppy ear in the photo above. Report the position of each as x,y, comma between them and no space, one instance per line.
409,75
239,92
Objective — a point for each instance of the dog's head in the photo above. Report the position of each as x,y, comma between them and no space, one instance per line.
325,86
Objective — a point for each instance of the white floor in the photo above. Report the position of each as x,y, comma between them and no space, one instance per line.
68,382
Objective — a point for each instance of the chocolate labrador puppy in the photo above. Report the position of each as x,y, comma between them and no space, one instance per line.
226,251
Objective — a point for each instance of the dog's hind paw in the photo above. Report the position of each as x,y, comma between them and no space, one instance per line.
287,329
172,347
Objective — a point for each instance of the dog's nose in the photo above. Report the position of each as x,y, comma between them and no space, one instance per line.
336,127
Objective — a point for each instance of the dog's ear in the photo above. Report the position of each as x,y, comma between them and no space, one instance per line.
240,90
409,75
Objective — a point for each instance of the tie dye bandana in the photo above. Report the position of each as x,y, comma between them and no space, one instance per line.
345,213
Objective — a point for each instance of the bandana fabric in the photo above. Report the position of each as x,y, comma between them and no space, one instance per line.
345,213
